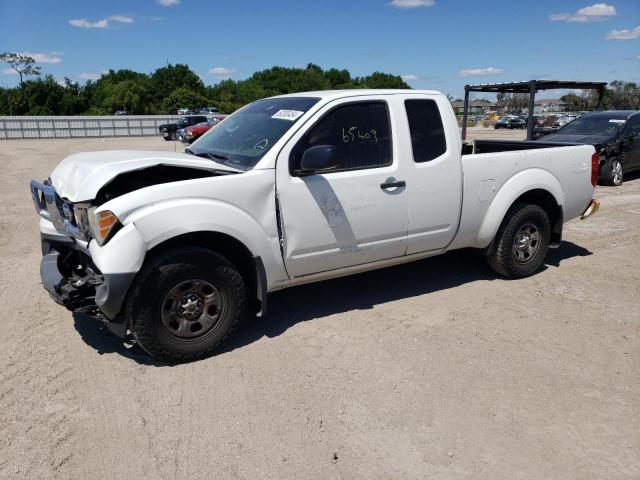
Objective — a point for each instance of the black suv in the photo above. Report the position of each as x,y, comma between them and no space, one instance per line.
168,130
614,134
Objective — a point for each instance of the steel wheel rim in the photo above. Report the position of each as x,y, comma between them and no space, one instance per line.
616,172
526,242
192,308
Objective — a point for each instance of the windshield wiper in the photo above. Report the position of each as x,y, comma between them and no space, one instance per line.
211,156
214,157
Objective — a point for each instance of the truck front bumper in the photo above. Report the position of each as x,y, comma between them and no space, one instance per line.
72,279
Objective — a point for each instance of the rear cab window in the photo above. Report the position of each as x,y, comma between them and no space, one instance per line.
428,140
359,131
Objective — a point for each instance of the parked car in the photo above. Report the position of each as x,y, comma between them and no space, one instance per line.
176,248
615,136
183,111
120,112
168,130
511,123
563,120
191,134
208,111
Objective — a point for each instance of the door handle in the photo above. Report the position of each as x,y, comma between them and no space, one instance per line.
399,183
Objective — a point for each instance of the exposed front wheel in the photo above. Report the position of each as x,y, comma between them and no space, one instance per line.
521,243
185,303
612,173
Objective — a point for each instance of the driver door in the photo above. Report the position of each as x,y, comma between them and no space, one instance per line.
354,214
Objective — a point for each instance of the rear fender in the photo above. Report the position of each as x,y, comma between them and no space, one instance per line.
511,190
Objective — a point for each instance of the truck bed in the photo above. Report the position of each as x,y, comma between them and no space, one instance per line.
507,169
494,146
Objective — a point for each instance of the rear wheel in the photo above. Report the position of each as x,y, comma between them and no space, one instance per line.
612,173
185,304
521,243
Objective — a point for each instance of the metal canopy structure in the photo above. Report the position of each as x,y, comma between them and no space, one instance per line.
531,87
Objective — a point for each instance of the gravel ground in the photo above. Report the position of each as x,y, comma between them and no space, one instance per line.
433,369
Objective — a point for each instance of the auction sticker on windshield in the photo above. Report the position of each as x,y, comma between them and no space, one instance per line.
287,114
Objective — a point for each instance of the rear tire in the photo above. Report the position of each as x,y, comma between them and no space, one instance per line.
612,173
522,242
185,303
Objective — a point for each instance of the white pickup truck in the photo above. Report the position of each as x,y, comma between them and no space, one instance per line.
174,249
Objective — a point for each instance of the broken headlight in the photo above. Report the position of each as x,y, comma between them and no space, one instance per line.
104,225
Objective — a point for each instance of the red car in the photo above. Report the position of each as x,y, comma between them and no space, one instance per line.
192,133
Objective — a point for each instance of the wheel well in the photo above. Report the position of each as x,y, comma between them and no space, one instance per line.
227,246
547,202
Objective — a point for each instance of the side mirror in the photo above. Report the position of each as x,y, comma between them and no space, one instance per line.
318,159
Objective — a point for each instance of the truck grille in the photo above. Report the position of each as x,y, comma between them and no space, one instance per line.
67,218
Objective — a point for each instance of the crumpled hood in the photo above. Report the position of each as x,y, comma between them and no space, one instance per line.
79,177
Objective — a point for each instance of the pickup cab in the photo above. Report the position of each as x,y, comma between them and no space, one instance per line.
174,249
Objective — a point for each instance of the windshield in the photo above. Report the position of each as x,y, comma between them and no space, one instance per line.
594,125
247,135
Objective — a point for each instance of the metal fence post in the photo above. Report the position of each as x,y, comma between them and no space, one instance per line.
532,106
465,112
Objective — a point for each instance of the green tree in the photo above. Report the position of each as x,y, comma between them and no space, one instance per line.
624,95
22,64
574,103
339,79
167,79
120,90
183,97
382,80
175,86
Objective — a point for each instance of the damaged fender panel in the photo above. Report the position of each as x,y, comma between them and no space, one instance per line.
124,253
241,206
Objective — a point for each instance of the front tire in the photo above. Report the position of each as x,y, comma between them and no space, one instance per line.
521,243
612,173
185,303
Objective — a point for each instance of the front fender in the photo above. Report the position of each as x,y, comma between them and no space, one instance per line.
162,221
519,184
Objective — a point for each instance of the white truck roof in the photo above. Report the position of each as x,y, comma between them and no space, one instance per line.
357,92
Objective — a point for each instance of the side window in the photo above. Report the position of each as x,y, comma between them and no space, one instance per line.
634,126
360,132
427,133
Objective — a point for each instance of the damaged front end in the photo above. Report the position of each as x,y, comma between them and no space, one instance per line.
74,221
67,270
73,280
70,277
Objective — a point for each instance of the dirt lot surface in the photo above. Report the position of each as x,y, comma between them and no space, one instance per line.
435,369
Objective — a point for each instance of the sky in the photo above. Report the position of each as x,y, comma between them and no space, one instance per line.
433,44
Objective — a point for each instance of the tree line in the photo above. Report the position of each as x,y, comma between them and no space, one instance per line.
618,95
167,89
